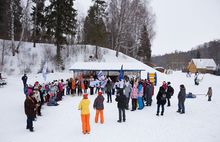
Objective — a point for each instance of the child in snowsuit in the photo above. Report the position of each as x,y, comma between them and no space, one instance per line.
209,93
85,114
99,106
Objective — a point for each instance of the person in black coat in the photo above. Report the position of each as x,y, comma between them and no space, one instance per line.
29,107
170,92
24,79
161,100
181,99
121,99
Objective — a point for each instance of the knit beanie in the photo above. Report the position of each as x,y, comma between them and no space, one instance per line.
85,96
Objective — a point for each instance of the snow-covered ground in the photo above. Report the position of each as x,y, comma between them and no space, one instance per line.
62,123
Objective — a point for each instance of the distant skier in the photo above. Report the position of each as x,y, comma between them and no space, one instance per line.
181,99
209,93
24,79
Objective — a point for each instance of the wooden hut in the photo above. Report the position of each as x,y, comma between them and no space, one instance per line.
202,65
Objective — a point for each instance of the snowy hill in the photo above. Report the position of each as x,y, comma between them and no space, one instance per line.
32,60
63,123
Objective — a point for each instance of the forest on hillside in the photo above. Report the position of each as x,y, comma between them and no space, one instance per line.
179,60
125,26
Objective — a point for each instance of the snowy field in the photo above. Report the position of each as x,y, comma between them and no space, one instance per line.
201,122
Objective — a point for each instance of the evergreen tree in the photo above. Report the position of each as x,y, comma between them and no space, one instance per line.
94,26
144,51
60,22
5,19
198,55
38,19
3,16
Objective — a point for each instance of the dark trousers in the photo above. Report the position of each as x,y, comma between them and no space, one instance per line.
209,98
168,101
134,104
97,90
67,90
73,91
127,102
30,122
181,107
121,114
109,95
113,91
91,90
148,100
158,109
79,92
24,83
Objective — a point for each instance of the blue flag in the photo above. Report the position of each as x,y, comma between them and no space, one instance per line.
121,74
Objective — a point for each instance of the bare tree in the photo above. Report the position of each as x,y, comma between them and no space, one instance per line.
126,18
24,19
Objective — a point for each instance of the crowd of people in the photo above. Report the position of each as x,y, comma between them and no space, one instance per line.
136,92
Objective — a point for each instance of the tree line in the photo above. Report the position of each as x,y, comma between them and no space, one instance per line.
179,60
125,26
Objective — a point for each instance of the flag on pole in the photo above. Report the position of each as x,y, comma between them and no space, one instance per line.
121,74
100,76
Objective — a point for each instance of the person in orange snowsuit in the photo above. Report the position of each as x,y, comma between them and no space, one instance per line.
99,106
85,114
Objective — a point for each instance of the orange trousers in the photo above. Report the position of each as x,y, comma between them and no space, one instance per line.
97,116
85,123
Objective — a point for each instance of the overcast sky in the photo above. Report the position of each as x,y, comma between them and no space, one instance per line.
180,24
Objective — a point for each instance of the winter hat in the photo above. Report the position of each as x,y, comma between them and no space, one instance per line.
85,96
182,86
99,93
